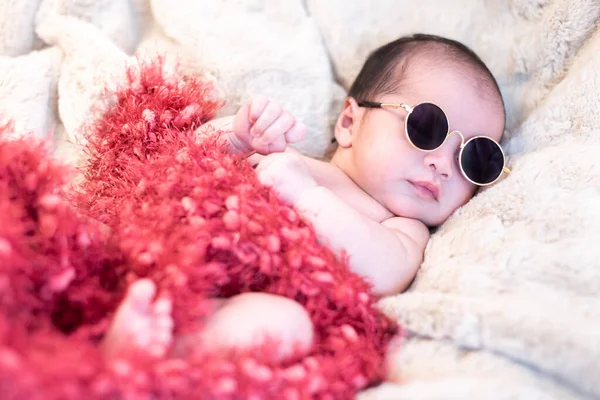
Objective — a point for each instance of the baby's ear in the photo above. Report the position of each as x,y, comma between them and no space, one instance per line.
347,123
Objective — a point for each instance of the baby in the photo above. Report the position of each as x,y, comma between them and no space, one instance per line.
417,135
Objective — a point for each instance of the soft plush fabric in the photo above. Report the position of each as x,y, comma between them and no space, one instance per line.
17,35
505,304
28,92
120,21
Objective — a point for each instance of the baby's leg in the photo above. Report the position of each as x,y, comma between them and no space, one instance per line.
140,325
250,320
242,322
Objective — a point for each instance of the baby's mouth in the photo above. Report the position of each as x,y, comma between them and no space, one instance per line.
425,190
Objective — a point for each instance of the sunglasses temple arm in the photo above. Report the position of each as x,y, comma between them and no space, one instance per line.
369,104
506,170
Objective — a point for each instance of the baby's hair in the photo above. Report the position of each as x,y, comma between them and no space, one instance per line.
385,70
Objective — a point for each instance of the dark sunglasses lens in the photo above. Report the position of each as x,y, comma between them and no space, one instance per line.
427,126
482,160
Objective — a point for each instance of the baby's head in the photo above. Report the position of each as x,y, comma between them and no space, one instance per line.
374,149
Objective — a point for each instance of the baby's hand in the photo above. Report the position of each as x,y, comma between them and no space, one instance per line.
264,126
287,174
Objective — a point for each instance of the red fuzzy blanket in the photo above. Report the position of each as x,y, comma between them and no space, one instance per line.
157,203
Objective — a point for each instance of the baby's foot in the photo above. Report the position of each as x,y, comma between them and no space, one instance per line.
139,325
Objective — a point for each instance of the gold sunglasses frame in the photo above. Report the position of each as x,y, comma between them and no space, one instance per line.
463,144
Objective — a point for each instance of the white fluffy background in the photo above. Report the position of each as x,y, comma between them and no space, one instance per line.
505,305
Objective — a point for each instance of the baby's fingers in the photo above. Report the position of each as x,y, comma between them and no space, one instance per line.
271,112
278,145
296,133
257,105
278,128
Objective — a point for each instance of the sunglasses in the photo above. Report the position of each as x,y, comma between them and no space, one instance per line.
481,158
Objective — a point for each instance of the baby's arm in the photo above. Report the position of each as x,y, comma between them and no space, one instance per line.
261,126
388,254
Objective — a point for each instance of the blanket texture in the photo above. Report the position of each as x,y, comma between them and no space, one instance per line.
505,304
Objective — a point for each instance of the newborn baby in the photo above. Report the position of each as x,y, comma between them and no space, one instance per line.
417,135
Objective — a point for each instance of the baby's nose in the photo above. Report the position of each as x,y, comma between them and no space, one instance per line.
443,159
440,166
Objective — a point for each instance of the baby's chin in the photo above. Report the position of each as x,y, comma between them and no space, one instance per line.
434,222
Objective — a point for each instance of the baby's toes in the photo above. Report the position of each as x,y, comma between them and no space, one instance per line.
140,295
140,331
162,324
163,328
162,306
162,337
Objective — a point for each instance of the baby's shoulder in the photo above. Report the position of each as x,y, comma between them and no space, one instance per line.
413,229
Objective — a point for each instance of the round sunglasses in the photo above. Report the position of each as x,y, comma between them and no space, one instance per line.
481,158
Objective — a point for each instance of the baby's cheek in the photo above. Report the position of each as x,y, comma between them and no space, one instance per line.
462,193
470,191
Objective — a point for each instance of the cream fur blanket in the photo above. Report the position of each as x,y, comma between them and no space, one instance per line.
505,304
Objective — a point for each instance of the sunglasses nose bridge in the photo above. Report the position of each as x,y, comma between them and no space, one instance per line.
462,137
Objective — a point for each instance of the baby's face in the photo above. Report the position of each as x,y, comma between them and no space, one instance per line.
393,172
